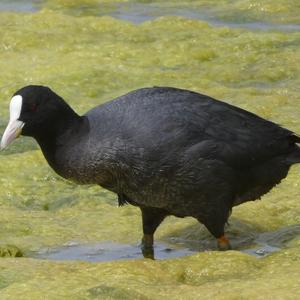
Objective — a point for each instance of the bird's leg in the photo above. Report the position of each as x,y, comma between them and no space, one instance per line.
147,246
223,243
151,217
216,227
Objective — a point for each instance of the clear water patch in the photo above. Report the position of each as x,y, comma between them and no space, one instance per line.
263,245
108,251
20,6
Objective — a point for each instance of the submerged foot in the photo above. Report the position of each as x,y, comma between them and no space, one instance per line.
147,246
148,252
223,243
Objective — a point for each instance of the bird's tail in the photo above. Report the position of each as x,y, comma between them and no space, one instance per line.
295,139
294,157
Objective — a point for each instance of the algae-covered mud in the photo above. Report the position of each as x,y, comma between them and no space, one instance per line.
90,51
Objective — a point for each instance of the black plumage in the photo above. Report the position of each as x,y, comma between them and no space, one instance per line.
168,151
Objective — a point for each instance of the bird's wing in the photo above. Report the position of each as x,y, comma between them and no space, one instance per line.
243,138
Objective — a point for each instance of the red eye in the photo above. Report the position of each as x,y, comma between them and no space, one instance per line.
33,107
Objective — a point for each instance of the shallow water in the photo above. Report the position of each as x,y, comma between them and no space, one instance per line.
138,12
107,251
19,5
88,59
261,245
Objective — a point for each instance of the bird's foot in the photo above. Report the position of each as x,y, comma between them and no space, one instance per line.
147,246
223,243
148,252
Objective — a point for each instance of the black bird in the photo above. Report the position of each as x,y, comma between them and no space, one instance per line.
166,150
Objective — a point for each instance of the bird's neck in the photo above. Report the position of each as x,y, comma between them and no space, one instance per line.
61,138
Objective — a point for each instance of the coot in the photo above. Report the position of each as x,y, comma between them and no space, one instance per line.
166,150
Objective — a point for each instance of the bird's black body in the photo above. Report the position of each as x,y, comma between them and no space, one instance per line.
170,152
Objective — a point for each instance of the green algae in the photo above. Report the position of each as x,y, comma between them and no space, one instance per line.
210,275
241,66
91,59
10,251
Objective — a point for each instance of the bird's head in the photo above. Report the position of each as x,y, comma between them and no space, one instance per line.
34,111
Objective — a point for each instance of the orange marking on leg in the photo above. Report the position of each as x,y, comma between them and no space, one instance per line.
223,239
223,243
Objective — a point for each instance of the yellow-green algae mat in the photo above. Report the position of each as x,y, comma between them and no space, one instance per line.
91,59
